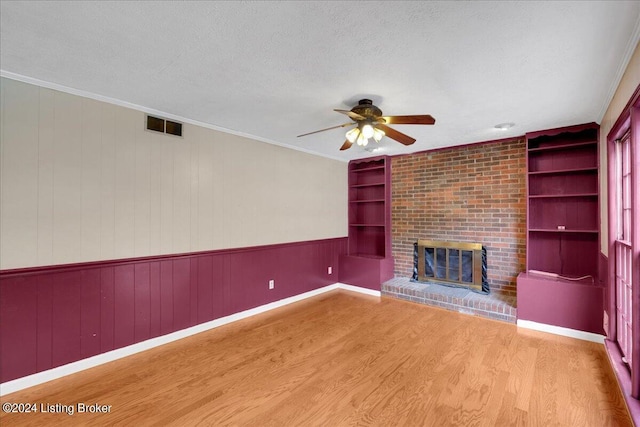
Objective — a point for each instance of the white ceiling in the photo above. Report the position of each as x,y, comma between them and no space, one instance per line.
273,70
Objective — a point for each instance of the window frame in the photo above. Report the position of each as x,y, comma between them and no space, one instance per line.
628,121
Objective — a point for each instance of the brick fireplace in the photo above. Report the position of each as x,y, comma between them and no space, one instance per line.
456,263
472,193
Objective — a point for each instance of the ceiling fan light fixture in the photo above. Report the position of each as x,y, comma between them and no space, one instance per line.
371,124
378,134
352,135
367,131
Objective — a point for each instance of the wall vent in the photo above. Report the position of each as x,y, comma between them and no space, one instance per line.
157,124
173,128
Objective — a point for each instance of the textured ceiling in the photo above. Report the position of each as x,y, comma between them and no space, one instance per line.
273,70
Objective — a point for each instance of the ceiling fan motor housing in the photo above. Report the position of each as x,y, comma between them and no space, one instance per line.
366,109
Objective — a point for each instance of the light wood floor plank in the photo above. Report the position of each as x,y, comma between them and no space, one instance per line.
347,359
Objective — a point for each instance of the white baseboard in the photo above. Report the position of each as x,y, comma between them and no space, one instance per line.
90,362
559,330
358,289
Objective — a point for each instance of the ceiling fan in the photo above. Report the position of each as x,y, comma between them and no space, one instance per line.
370,123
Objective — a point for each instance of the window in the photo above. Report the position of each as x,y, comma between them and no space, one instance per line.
623,247
623,296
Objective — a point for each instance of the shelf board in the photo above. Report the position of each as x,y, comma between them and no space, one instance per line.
365,225
365,255
553,230
561,196
367,185
564,171
370,168
367,201
559,280
562,147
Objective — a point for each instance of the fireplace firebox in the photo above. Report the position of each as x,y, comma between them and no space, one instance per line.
453,263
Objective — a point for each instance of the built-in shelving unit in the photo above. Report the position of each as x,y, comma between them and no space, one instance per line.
563,229
563,221
369,207
369,260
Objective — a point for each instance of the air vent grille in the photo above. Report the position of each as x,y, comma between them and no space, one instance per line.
174,128
157,124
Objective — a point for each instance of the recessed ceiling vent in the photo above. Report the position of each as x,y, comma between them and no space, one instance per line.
157,124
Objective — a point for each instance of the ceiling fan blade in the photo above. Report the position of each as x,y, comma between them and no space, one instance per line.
346,145
354,116
394,134
322,130
424,119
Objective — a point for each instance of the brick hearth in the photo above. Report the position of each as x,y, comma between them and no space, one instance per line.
492,306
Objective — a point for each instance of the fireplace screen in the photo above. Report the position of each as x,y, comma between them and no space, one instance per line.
451,262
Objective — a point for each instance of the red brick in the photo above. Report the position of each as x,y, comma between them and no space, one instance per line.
468,194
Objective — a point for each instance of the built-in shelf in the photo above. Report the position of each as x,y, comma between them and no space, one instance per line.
553,230
369,256
568,146
563,191
565,171
368,261
369,168
370,207
375,184
560,196
368,201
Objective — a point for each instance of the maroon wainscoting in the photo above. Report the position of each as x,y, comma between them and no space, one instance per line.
574,305
51,316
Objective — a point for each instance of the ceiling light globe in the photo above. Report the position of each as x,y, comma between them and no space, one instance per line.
367,131
361,140
377,134
352,135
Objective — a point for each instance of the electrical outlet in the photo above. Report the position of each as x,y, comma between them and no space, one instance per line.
272,284
330,270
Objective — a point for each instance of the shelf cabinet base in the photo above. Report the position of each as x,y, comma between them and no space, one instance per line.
558,302
367,272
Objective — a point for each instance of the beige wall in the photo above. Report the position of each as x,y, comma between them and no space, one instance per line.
628,84
82,180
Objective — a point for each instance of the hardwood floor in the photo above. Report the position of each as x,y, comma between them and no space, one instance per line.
345,359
